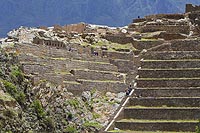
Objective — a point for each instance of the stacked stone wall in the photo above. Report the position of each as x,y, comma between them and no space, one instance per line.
167,16
170,29
192,8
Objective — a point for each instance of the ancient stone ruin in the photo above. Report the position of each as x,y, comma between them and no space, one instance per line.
157,56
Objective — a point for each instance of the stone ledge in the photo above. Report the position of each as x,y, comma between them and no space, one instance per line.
147,125
165,101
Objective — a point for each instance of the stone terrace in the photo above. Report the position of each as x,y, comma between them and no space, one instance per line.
167,96
76,71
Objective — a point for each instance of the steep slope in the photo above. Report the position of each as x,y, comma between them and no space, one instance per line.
112,12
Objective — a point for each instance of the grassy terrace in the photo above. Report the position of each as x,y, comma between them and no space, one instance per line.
170,60
168,79
171,69
162,107
158,121
100,81
99,71
128,131
84,61
71,82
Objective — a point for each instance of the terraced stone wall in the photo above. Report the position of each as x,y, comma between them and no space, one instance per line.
191,8
122,38
52,43
168,28
167,16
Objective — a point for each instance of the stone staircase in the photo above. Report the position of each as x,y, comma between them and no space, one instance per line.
167,95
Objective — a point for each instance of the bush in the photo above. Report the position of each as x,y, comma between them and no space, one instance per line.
21,97
10,87
49,123
12,90
9,113
73,102
70,129
92,124
17,74
38,109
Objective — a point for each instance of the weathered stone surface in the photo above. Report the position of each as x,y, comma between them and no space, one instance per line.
103,86
167,101
170,113
157,126
176,82
170,64
118,55
98,75
167,92
167,55
171,73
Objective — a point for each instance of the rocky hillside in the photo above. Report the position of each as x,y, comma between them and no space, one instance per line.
112,12
47,107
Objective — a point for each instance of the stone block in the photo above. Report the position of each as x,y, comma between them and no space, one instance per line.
155,126
173,82
162,113
167,92
169,73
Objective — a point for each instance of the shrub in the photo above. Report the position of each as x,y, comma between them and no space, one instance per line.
10,87
92,124
20,97
16,73
70,129
49,122
9,113
12,90
73,102
38,109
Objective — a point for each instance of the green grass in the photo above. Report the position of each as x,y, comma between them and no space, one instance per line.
157,79
6,97
156,121
175,60
100,81
71,82
129,131
162,107
173,69
146,39
85,61
92,124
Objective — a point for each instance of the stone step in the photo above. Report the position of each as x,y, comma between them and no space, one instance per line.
186,63
167,92
56,78
169,55
157,125
118,55
98,75
165,101
73,87
168,82
162,113
169,73
124,66
103,85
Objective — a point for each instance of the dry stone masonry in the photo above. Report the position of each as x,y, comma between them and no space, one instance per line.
159,55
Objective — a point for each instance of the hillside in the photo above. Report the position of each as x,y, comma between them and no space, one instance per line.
112,12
